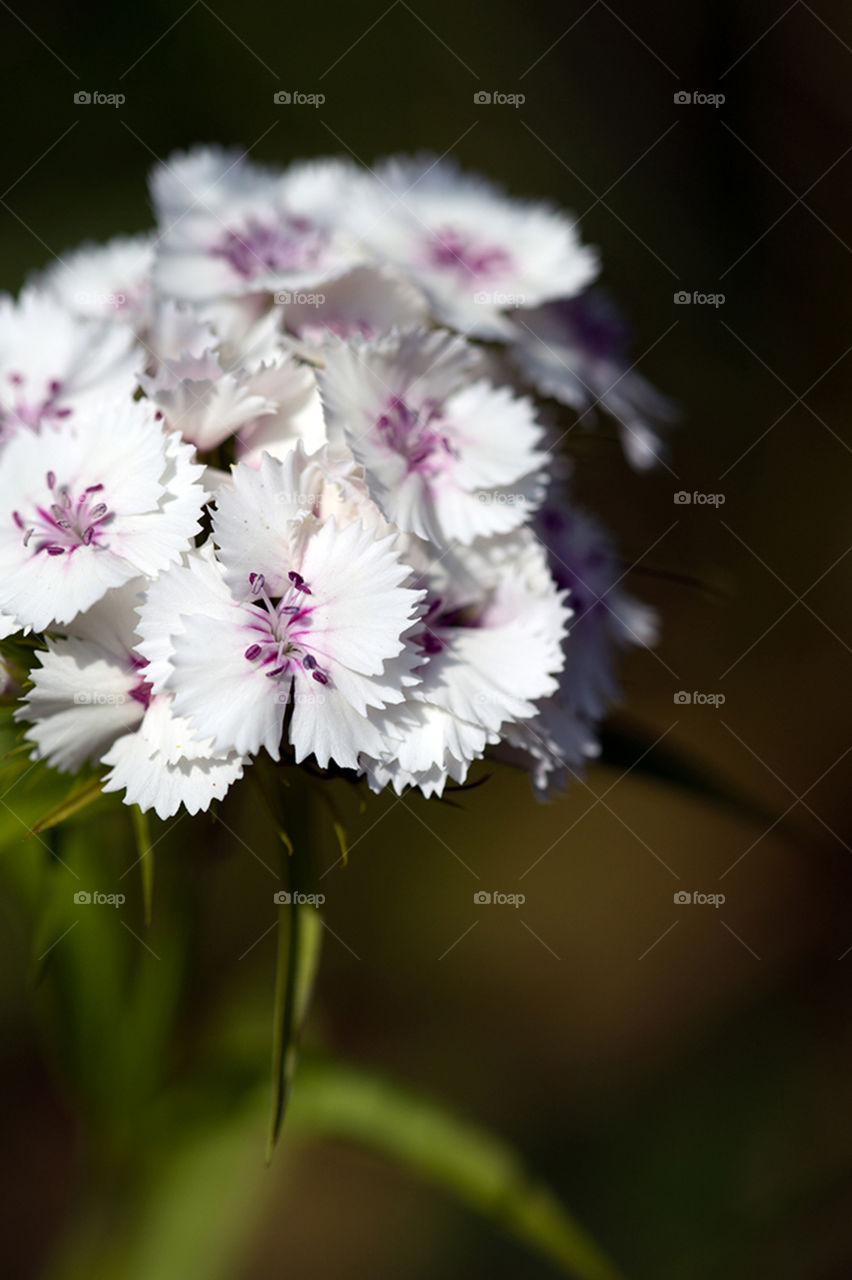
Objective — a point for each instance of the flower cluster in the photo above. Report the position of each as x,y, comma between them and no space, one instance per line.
276,476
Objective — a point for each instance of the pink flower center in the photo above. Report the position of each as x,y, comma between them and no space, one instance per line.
459,251
64,523
287,244
417,435
28,407
279,629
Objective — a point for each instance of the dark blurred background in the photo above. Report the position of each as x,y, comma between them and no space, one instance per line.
680,1074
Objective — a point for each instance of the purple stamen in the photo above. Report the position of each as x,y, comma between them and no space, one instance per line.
285,244
298,582
415,434
458,251
64,525
252,652
319,677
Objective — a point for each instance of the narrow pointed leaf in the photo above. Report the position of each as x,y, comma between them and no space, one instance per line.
342,842
299,945
142,831
76,800
475,1167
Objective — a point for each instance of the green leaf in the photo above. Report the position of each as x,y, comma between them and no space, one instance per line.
142,831
299,947
627,745
76,800
477,1168
342,842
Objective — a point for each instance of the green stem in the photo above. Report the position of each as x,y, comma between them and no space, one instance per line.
299,942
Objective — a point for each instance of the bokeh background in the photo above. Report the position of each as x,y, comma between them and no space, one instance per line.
679,1074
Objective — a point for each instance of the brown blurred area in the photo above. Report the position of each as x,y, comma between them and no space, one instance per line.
679,1073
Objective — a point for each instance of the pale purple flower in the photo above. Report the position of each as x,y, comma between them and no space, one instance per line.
446,454
267,234
606,619
474,251
575,349
367,302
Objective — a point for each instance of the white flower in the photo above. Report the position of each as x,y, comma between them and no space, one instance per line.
295,610
54,364
91,701
490,646
575,350
365,303
474,251
205,392
268,235
293,414
89,503
446,454
109,281
205,178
